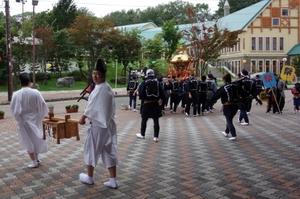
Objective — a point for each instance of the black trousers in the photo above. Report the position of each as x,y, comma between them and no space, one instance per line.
229,113
190,101
174,101
132,98
144,126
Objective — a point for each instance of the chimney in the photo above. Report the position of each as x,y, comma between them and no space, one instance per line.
226,8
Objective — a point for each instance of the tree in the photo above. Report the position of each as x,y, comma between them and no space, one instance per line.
3,62
235,5
90,36
171,36
152,48
160,14
63,14
207,41
296,64
128,48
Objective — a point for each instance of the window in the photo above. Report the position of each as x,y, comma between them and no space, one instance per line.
285,12
267,43
274,44
275,22
281,43
253,43
260,43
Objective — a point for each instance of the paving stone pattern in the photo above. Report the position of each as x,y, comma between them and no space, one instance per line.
191,160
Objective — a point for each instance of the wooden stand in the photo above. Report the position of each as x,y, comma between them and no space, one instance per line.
61,127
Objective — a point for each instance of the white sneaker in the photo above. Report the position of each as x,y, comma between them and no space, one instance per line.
155,139
232,138
248,113
33,165
244,123
86,179
110,184
140,136
210,111
187,114
134,110
224,133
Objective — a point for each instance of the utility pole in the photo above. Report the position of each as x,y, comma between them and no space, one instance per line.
8,50
34,3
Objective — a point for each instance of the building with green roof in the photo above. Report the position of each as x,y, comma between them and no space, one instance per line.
270,32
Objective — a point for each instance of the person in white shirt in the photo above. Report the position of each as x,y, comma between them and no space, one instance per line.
101,137
29,108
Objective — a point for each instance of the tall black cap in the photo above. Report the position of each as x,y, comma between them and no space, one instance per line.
101,66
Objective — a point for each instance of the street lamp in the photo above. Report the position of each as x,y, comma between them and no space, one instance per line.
8,51
34,3
116,76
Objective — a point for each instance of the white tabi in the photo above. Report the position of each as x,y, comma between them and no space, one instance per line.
101,137
29,108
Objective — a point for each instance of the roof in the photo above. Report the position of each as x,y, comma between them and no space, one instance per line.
140,26
240,20
295,50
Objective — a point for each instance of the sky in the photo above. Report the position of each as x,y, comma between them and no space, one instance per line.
99,7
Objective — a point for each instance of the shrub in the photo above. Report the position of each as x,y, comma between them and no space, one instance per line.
77,75
120,80
68,106
75,106
2,112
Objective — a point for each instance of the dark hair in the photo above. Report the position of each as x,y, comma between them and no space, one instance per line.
203,77
210,76
24,78
227,78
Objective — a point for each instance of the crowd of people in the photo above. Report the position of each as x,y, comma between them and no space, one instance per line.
195,95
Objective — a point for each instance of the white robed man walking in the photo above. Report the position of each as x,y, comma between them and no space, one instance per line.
29,108
101,137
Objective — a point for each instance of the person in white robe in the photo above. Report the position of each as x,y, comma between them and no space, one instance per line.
101,137
29,108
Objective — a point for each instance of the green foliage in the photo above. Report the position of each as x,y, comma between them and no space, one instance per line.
170,34
77,75
152,48
63,14
41,76
50,106
296,64
174,10
75,106
2,112
128,48
235,5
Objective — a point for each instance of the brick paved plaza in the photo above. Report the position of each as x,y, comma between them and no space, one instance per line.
191,160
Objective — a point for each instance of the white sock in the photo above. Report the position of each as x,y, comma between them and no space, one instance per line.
36,157
112,180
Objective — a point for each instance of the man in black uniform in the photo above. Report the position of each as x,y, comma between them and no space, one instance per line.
152,94
192,96
131,87
202,90
259,89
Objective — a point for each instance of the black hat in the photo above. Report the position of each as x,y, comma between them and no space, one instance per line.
101,66
244,73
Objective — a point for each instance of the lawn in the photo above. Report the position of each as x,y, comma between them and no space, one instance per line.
81,84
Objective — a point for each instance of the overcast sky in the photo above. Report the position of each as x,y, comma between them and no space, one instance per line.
99,7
